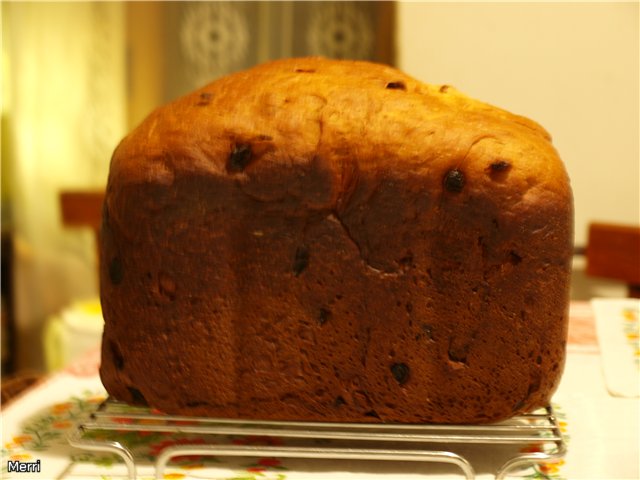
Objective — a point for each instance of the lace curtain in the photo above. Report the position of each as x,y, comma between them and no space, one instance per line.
201,41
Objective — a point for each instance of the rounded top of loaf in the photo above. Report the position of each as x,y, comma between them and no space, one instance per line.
343,117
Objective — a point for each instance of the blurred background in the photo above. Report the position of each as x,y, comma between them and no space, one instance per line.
77,76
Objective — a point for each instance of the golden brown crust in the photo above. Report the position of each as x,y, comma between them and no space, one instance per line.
334,240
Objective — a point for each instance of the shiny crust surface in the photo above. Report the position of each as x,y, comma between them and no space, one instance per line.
334,240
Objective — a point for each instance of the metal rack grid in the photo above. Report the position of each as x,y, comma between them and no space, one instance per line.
409,441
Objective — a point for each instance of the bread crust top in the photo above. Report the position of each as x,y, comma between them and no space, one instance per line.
344,117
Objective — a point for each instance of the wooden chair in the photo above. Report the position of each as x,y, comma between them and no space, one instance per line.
13,385
83,208
613,251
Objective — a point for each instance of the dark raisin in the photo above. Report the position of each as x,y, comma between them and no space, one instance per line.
534,385
205,99
116,271
458,353
324,316
499,166
396,86
239,158
105,227
514,258
454,180
427,330
118,360
301,260
166,286
137,396
444,88
105,212
339,401
498,170
372,413
407,260
400,372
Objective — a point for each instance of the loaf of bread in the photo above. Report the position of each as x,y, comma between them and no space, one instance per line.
333,240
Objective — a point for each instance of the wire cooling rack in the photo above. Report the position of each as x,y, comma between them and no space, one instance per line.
334,441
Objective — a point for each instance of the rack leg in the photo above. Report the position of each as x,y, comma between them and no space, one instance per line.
316,453
75,440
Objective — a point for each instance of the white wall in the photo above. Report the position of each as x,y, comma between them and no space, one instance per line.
572,67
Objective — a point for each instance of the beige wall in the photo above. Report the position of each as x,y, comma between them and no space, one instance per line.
572,67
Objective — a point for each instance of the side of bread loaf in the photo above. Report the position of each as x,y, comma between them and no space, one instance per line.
334,240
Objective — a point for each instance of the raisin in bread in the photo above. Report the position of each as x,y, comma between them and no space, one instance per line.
336,241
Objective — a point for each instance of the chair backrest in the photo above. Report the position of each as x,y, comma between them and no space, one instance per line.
83,208
613,251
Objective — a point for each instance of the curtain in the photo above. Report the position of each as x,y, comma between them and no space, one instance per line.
63,111
201,41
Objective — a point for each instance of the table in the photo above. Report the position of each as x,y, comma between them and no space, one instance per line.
601,428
